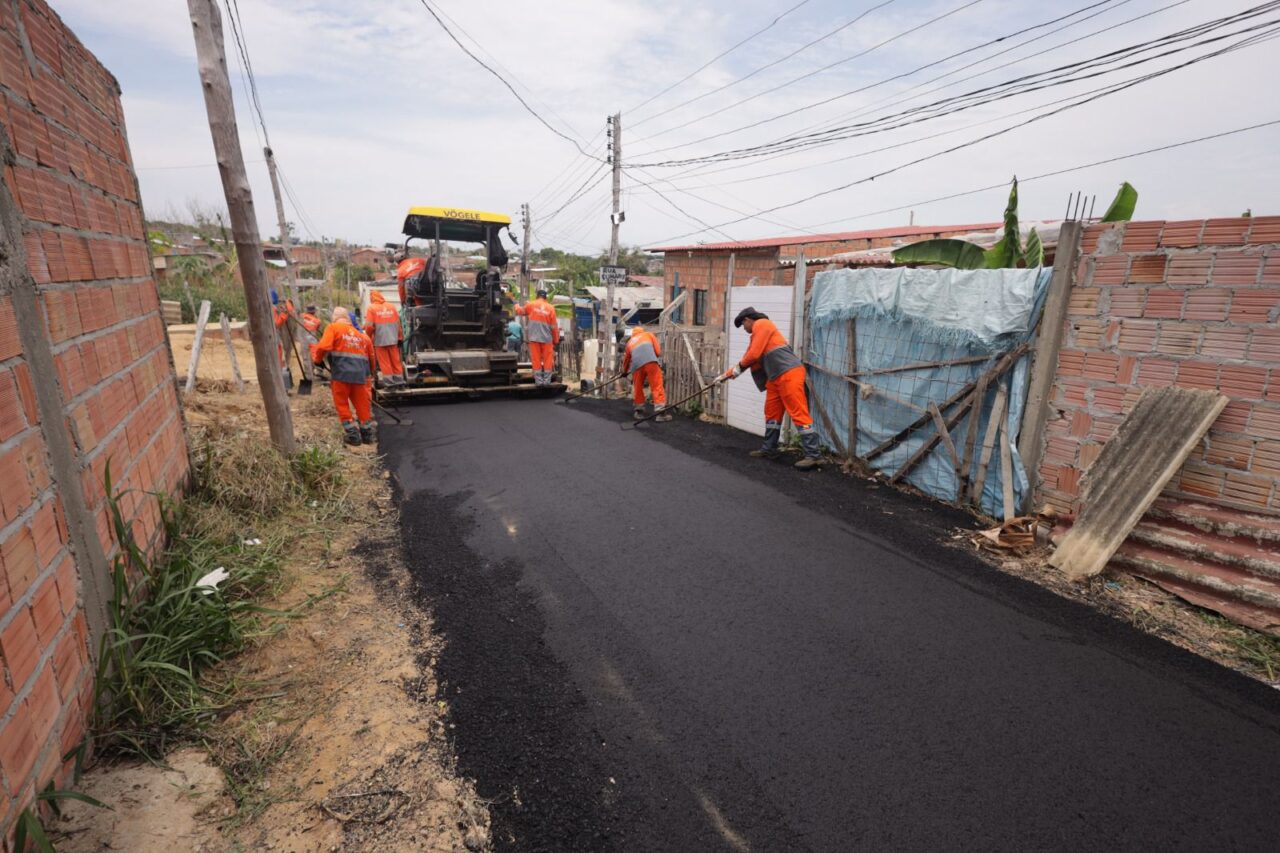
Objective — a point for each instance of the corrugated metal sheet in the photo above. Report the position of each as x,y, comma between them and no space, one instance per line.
1147,449
1223,559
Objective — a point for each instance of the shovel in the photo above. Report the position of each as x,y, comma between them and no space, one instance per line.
304,384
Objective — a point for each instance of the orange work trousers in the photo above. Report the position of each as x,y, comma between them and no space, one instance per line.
389,363
786,393
347,394
652,374
543,356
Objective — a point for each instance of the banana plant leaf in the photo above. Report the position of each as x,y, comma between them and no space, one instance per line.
1008,251
960,254
1123,205
1033,252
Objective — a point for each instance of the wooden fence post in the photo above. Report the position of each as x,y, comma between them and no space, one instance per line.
197,342
231,353
1044,363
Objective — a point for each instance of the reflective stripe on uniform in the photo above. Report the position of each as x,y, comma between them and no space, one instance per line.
779,360
349,367
642,353
539,332
386,334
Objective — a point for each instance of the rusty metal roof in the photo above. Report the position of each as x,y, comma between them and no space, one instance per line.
840,236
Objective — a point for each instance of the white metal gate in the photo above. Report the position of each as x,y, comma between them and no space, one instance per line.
744,405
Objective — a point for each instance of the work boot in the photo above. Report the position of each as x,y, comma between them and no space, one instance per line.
638,413
366,431
663,415
772,434
351,433
812,450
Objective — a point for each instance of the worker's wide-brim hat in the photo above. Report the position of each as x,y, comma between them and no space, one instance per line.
747,313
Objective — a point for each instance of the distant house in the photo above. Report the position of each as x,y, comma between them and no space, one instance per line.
305,255
376,258
703,268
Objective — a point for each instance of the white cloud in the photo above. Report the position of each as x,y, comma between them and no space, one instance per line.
372,108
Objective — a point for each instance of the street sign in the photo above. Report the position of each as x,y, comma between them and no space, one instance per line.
613,275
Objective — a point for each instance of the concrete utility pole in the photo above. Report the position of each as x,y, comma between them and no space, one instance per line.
524,251
614,133
206,22
292,328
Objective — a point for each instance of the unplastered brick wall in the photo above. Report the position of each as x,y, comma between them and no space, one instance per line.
86,380
1193,304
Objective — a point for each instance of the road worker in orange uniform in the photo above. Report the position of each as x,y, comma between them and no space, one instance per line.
311,322
382,323
280,316
640,362
350,354
406,270
542,335
777,372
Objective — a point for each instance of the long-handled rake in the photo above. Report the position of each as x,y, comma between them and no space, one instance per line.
670,406
591,390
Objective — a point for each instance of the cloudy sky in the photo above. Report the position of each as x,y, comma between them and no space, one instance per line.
372,108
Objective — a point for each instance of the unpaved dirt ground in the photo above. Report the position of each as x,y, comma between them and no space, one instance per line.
215,361
339,742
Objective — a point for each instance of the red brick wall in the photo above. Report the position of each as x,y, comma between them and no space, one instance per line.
709,270
1192,304
71,177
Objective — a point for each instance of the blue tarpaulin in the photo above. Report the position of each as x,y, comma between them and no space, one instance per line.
900,317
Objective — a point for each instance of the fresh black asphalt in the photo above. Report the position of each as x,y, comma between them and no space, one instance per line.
653,642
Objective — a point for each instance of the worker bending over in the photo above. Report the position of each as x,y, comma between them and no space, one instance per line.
406,270
350,356
311,322
777,372
542,335
640,362
382,323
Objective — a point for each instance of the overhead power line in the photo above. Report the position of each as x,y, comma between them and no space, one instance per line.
1248,42
574,142
1004,185
712,61
758,70
886,80
816,71
1070,73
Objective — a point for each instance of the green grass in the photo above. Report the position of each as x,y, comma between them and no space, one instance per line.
165,632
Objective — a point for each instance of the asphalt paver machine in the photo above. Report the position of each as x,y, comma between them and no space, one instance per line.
455,328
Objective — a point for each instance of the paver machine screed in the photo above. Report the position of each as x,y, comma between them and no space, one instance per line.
455,327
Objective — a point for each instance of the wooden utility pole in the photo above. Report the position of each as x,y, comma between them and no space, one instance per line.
292,327
285,247
206,23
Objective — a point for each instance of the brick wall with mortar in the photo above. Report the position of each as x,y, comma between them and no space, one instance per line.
1193,304
86,379
709,269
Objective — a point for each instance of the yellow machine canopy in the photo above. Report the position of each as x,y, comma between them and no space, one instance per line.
453,223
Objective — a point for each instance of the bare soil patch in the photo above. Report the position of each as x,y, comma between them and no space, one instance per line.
337,740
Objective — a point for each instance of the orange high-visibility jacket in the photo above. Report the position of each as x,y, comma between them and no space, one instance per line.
543,327
769,355
642,349
406,270
350,352
382,321
311,322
